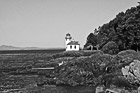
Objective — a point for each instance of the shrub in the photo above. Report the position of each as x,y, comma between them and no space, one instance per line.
126,52
130,53
110,48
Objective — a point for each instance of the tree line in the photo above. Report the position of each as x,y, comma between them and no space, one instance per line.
121,33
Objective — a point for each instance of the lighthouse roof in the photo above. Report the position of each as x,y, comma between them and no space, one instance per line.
68,37
73,43
68,34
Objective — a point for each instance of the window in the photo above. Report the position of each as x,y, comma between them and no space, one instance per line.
70,47
75,47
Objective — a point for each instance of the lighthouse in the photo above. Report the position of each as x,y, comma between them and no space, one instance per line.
70,44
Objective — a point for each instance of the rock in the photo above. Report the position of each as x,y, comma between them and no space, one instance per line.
100,89
125,71
138,89
133,69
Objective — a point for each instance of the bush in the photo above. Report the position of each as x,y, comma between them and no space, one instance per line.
130,53
126,52
110,48
121,82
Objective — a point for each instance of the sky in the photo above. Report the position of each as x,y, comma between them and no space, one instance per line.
44,23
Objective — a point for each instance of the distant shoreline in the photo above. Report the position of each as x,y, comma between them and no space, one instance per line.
53,50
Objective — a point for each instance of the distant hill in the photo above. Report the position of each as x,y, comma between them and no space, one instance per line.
6,47
31,48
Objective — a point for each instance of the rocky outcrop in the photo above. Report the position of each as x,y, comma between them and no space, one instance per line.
132,72
120,70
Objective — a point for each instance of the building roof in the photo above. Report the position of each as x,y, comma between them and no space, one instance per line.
73,43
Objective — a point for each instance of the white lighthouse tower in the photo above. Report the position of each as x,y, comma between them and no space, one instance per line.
68,39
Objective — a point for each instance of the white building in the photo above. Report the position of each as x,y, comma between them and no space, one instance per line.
71,45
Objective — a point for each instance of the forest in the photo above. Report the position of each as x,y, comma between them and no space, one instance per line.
121,33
